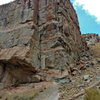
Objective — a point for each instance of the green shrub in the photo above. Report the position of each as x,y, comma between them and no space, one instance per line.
92,94
0,97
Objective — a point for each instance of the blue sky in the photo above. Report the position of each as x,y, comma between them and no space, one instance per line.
89,16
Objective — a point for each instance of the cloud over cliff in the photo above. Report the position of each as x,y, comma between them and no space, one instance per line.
5,1
92,7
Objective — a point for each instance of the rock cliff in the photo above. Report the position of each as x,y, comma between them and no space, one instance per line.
37,35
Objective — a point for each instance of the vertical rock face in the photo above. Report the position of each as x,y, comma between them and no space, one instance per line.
37,34
59,33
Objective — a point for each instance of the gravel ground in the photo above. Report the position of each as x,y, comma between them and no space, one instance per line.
78,84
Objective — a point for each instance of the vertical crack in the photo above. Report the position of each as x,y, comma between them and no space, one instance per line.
36,23
36,11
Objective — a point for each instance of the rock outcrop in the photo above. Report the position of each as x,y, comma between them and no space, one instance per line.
91,38
37,35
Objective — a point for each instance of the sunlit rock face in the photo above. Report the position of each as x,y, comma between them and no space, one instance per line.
37,34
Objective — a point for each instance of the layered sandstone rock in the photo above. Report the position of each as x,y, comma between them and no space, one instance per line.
37,34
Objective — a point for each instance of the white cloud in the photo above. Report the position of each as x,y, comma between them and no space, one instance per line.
5,1
91,6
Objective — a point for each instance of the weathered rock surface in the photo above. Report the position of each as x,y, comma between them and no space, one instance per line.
35,35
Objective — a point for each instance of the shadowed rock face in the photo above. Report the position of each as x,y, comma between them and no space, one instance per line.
36,34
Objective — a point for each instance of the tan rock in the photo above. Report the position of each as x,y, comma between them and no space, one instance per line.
37,35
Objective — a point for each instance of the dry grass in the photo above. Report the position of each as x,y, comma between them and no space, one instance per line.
24,95
28,95
96,50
